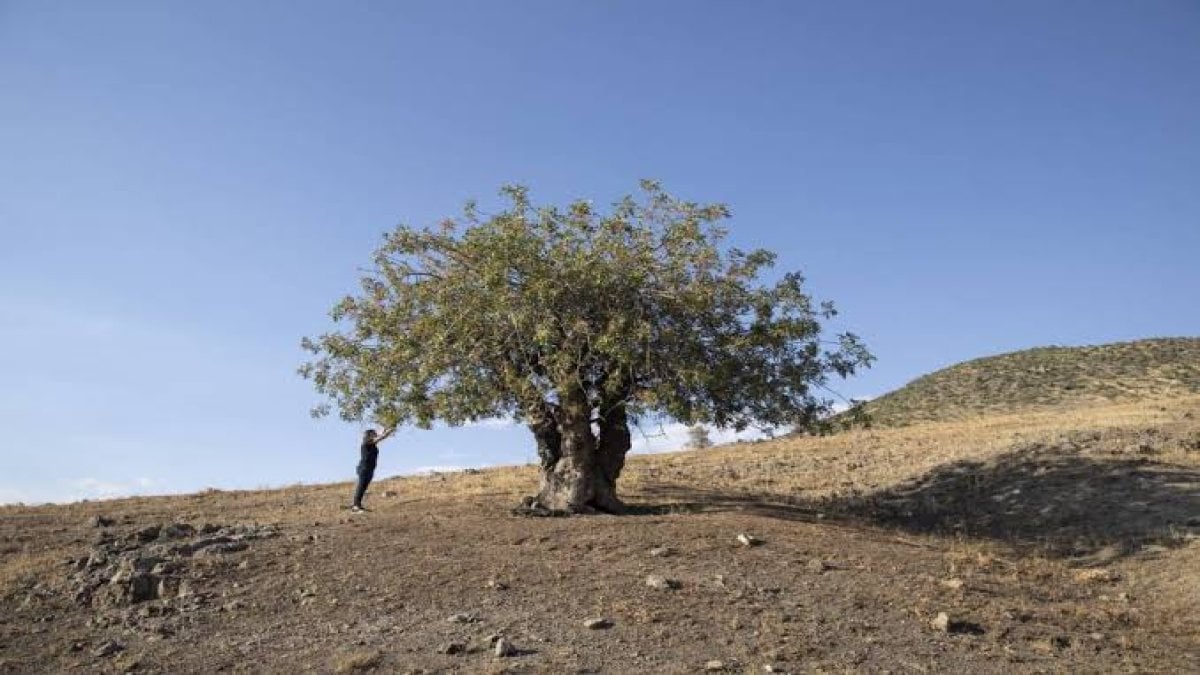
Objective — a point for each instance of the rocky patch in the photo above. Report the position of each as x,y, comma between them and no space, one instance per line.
151,563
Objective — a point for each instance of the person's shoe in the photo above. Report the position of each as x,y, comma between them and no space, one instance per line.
356,509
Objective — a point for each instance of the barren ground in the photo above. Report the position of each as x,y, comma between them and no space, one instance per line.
1061,541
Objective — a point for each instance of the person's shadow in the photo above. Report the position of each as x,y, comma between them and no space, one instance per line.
1052,499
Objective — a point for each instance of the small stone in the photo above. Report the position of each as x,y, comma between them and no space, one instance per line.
714,666
223,548
497,585
953,584
662,583
101,521
661,551
748,540
176,531
597,623
108,648
452,648
165,567
941,622
817,566
141,587
504,648
461,618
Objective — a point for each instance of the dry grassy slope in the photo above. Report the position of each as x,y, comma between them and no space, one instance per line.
1046,377
1057,541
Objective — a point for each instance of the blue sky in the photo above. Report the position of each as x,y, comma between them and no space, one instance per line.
186,188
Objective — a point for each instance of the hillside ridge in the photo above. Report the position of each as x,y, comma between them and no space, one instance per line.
1045,377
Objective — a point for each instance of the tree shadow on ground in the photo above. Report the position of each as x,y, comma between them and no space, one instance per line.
1052,499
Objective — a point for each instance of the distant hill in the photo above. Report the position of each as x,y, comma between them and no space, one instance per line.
1045,377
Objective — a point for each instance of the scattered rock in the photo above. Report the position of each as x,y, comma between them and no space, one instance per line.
597,623
497,585
662,583
101,521
714,666
222,549
942,622
661,551
1052,644
953,584
749,540
108,648
452,648
504,648
166,567
176,531
817,566
150,563
462,618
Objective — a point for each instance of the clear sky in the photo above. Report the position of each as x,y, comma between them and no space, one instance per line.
187,187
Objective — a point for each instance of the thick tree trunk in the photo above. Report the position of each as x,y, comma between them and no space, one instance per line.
579,469
544,426
614,444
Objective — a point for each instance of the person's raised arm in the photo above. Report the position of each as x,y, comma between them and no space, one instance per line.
385,434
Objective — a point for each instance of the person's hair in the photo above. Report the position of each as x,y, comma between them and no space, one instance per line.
369,432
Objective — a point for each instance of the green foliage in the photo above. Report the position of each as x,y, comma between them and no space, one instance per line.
531,307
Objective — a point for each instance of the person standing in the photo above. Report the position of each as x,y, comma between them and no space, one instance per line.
366,465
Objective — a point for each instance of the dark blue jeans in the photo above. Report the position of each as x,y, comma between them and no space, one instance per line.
365,474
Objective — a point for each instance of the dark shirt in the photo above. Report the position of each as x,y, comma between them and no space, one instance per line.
370,455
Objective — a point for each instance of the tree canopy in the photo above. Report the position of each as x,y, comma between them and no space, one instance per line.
544,313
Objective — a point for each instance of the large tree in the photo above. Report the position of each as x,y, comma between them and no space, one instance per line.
577,323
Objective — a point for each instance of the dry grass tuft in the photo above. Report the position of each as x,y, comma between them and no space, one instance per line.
357,661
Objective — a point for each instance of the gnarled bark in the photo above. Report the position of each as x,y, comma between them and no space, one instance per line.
579,469
544,425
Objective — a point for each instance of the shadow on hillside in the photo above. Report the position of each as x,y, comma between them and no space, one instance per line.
1051,499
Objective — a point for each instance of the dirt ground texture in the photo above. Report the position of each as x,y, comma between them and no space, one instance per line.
1059,541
